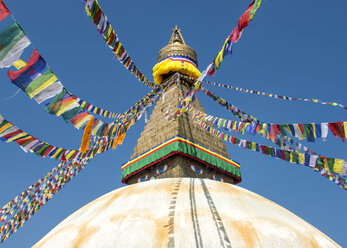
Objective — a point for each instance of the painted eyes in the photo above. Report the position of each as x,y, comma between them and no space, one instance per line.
161,169
144,178
196,169
217,178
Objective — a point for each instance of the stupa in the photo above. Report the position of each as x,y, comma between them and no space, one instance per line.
181,190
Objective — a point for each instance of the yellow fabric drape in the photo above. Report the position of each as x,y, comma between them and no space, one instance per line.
169,65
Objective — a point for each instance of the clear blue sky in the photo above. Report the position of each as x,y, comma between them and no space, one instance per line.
293,48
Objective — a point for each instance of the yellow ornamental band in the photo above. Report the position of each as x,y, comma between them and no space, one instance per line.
169,65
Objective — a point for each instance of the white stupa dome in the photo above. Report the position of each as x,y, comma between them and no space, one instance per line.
184,212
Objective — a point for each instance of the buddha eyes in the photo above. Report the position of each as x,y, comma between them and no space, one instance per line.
144,178
161,170
217,178
196,169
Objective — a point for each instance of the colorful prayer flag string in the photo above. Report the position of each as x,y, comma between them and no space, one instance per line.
23,207
100,20
308,131
19,64
109,114
234,36
280,139
226,50
11,133
40,83
288,98
332,168
249,118
13,42
235,110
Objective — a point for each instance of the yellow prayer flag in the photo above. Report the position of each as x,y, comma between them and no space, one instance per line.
19,64
57,152
96,128
118,48
301,158
66,106
345,127
254,146
4,127
17,136
314,130
109,31
291,157
234,126
338,166
219,57
84,103
70,154
244,127
326,165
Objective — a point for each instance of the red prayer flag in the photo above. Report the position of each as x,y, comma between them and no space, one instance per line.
337,129
35,57
4,12
48,150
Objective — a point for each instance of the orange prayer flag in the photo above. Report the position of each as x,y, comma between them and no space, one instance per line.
86,135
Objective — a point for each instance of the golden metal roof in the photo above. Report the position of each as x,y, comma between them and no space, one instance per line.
177,47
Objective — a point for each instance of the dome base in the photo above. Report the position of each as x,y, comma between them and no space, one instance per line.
184,212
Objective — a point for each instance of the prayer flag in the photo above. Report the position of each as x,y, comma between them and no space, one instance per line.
86,135
4,12
40,83
19,64
51,91
23,77
324,130
313,160
5,126
301,158
338,166
12,44
35,77
30,145
62,103
72,113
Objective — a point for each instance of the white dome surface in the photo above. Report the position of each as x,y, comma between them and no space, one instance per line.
183,212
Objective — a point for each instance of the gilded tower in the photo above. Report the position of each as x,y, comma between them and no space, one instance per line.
180,148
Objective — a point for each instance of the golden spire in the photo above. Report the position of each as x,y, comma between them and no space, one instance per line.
177,47
176,36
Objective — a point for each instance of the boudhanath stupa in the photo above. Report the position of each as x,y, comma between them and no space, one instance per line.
181,186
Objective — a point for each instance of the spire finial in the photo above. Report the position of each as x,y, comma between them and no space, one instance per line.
176,36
